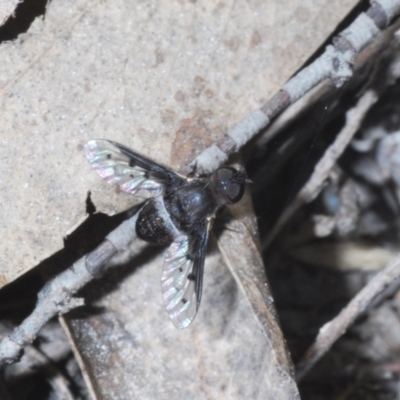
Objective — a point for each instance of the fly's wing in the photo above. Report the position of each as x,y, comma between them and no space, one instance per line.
130,171
182,277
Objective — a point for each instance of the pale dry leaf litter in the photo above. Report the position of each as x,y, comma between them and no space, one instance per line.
163,78
7,8
182,151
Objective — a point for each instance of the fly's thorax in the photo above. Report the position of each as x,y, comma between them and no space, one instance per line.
191,204
154,224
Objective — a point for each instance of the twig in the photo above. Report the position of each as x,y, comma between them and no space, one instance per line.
334,329
314,185
336,64
56,297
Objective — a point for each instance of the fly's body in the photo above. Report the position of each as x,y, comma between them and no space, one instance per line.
178,211
188,207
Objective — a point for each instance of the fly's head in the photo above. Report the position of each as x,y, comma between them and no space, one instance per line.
229,183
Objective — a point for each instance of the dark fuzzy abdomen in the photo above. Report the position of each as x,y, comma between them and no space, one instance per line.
153,225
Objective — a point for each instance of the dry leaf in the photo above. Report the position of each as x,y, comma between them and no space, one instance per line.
6,9
164,78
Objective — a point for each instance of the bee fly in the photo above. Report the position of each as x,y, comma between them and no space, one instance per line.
178,211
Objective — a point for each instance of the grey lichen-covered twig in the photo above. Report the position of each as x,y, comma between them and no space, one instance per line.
336,64
314,185
334,329
56,297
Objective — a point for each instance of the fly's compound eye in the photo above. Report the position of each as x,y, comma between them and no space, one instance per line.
231,183
225,174
233,192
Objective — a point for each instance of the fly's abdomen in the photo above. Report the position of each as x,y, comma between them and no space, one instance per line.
154,225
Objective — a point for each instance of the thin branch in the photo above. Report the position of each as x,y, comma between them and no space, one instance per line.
56,297
336,64
334,329
314,185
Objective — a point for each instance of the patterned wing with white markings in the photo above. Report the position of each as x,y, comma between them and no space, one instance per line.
182,277
130,171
